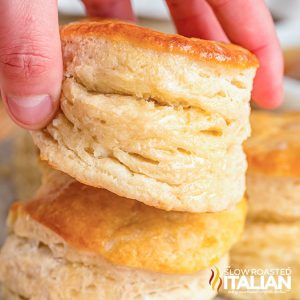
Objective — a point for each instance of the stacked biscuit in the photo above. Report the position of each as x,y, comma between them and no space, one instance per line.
159,121
273,188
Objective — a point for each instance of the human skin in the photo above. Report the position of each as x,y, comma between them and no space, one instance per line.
31,60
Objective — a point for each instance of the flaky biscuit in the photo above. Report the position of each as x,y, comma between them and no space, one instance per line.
124,231
78,242
271,237
154,117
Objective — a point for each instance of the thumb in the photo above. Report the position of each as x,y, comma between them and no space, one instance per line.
30,61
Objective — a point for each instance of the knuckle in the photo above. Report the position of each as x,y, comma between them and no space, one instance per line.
23,65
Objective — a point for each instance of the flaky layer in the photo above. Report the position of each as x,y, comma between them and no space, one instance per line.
171,158
127,232
162,127
32,270
269,245
274,146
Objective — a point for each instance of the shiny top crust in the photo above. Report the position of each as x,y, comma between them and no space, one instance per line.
196,49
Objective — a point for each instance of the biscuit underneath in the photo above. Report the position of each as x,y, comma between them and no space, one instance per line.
124,231
31,270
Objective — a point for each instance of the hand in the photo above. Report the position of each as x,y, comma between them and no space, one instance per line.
30,50
30,56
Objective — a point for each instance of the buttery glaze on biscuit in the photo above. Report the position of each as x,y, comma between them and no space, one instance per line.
149,39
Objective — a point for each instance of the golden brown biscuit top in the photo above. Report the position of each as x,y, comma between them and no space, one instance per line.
196,49
127,232
274,146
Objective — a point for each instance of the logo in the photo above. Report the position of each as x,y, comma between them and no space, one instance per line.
215,279
266,281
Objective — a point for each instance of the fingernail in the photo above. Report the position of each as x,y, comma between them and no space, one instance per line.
30,110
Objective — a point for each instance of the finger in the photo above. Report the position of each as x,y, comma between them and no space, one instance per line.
30,61
268,83
118,9
249,24
196,20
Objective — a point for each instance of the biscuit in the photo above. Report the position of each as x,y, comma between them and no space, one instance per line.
271,237
125,231
153,117
273,176
121,247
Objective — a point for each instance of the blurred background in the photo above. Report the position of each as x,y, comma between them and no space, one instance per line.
19,170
